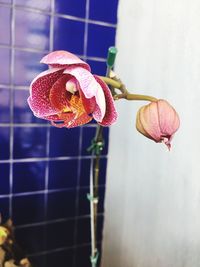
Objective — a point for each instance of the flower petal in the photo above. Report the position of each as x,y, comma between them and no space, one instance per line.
139,125
70,121
111,113
168,118
90,88
40,88
59,96
150,122
63,58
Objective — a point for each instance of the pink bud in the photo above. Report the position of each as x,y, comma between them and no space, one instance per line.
158,121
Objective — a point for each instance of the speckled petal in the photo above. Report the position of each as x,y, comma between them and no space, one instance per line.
90,88
111,113
63,58
39,93
70,121
59,96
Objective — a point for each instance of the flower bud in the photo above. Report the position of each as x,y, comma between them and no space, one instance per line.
158,121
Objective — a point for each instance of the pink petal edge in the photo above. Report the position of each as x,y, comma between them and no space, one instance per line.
111,113
63,58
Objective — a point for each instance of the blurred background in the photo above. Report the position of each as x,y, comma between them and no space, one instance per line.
44,171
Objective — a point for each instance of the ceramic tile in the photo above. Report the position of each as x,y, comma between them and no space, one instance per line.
4,178
32,30
98,48
4,143
37,4
27,67
60,234
5,25
64,142
58,258
4,105
61,205
104,10
6,1
69,35
29,142
28,176
4,208
97,67
38,260
5,71
70,7
32,207
32,238
63,174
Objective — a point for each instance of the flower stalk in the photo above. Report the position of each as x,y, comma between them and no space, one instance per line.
124,92
93,197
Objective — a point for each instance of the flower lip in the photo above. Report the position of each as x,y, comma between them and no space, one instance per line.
62,58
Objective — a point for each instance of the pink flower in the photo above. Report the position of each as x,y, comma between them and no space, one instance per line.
68,94
158,121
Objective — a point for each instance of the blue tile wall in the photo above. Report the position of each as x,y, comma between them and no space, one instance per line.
5,23
71,7
96,48
28,176
5,56
36,4
5,105
66,174
73,39
36,33
103,10
44,171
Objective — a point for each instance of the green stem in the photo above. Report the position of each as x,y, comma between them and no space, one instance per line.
111,82
129,96
125,94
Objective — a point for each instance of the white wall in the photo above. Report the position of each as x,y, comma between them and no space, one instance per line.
152,216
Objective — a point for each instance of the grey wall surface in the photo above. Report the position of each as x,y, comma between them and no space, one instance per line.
153,196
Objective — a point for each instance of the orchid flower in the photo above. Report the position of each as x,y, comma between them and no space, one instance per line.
69,95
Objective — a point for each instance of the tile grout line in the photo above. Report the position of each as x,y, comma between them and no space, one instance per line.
38,192
65,16
11,109
26,160
59,249
60,220
33,50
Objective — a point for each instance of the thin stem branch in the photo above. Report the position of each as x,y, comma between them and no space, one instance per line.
125,93
94,181
129,96
111,82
